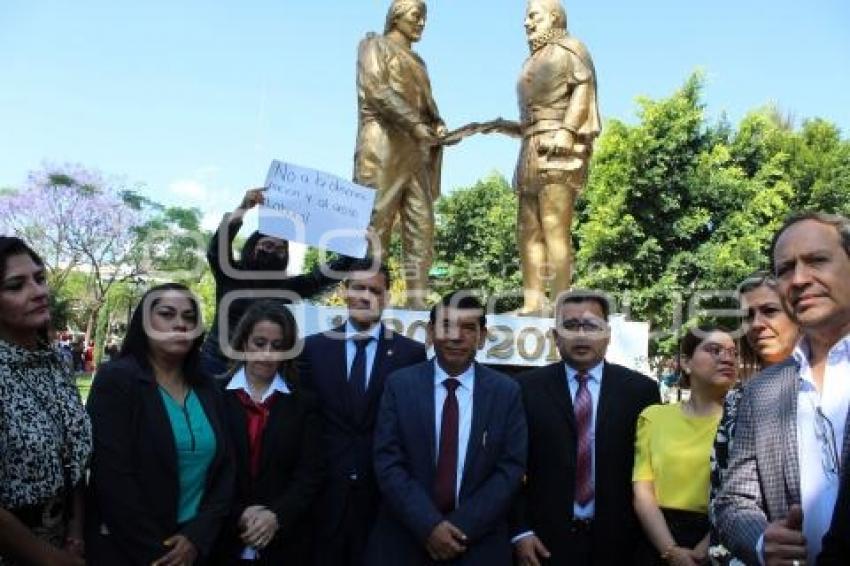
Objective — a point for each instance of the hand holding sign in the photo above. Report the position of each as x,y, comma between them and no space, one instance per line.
316,208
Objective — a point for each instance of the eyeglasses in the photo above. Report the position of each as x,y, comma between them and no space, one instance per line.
716,351
825,434
587,325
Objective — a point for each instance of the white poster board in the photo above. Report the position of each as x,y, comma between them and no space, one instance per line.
316,208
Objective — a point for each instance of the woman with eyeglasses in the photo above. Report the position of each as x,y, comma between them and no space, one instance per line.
275,428
671,471
770,338
45,437
162,475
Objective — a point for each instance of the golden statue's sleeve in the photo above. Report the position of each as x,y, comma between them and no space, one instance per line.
381,80
581,110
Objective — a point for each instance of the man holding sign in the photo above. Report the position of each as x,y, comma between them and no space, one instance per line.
399,131
261,254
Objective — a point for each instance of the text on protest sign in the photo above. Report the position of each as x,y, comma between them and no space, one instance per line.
316,208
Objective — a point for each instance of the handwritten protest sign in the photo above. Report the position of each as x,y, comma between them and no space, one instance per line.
316,208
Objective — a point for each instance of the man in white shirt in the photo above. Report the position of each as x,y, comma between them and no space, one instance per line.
575,506
791,439
450,447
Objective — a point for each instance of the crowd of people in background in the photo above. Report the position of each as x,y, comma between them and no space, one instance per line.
362,450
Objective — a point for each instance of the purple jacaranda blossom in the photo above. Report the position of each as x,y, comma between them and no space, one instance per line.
75,219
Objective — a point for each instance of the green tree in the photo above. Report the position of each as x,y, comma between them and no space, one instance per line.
476,241
675,206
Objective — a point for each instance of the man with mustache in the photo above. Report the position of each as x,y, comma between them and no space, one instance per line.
559,120
792,437
575,507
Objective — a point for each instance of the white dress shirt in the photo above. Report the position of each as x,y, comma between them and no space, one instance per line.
594,383
240,381
819,487
464,394
371,347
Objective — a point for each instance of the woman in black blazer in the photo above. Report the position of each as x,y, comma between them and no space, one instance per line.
274,427
162,474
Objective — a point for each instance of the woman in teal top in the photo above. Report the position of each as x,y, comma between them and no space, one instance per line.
194,440
162,477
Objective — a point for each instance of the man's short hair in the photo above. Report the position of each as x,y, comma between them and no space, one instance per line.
368,264
583,296
840,223
459,300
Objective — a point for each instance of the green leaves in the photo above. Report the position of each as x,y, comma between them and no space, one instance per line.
675,205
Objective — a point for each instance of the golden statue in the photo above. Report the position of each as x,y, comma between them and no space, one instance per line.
559,120
398,137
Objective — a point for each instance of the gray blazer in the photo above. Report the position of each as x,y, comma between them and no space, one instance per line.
763,480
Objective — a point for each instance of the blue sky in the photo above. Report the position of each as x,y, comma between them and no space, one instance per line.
192,99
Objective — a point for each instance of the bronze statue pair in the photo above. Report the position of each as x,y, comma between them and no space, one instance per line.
400,138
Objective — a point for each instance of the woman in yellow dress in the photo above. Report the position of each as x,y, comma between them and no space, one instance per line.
671,471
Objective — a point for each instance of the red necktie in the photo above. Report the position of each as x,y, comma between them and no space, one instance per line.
583,410
256,416
446,477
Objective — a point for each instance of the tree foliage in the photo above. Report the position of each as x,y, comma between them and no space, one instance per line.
100,241
675,205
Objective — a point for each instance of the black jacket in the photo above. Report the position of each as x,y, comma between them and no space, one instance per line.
134,488
289,478
346,436
545,504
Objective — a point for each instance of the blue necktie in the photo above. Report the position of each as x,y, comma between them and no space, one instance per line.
357,378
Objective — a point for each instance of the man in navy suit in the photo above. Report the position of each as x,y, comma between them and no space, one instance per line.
346,367
450,448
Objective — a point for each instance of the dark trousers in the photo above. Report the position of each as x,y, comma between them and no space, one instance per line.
688,529
347,545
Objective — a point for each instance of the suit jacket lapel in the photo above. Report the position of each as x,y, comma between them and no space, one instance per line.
425,414
482,398
378,375
160,423
610,403
607,405
789,393
339,374
559,391
240,441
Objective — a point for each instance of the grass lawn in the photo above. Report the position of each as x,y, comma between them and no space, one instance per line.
84,384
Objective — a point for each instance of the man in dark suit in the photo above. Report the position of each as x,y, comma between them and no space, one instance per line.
346,367
792,437
450,448
575,506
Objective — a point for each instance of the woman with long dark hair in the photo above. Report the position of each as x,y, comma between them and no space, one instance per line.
45,438
671,470
275,428
162,476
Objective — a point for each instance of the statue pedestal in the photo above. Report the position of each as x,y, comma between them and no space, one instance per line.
511,340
